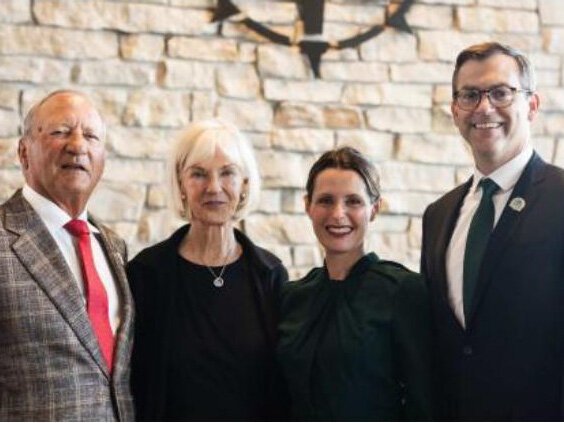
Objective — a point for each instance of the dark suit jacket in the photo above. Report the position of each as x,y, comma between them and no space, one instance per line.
51,367
508,363
150,274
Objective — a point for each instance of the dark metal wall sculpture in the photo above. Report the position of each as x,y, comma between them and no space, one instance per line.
311,14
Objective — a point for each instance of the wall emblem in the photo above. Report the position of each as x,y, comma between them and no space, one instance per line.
311,14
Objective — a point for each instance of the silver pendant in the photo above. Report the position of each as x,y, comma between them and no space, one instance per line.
218,282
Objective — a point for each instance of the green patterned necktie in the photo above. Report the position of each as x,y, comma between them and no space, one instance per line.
478,236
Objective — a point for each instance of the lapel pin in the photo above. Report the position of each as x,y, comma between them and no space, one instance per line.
517,204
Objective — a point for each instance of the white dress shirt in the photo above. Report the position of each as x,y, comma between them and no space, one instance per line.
505,177
55,218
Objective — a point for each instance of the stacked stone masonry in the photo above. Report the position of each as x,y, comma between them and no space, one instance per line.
153,66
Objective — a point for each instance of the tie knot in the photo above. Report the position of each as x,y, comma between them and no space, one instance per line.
489,187
77,227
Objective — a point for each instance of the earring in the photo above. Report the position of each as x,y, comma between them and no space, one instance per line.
243,196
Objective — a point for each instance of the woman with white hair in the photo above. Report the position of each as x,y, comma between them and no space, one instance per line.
206,298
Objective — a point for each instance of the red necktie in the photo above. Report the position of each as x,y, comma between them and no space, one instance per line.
96,297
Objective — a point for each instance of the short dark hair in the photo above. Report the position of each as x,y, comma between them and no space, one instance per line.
346,158
485,50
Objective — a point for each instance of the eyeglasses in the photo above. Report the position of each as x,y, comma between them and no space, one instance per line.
501,96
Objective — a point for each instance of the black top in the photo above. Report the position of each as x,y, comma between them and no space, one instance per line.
217,370
202,352
358,349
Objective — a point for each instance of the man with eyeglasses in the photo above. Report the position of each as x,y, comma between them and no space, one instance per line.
493,252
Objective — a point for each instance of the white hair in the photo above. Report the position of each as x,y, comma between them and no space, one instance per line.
198,142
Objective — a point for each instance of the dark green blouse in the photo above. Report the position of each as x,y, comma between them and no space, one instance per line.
358,349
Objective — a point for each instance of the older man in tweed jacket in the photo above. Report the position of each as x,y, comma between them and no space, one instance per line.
54,364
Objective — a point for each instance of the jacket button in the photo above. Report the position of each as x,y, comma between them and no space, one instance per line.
467,350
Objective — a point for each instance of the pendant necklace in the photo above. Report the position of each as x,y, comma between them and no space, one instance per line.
218,281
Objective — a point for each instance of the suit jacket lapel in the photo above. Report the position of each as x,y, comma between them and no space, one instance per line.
40,255
505,228
123,337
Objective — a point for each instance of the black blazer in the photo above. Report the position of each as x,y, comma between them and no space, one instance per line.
508,363
149,273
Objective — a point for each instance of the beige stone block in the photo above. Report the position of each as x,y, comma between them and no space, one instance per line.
463,174
270,201
363,14
9,97
293,200
140,143
545,146
415,233
429,72
114,72
303,139
553,123
157,196
203,105
15,11
430,17
447,2
9,123
289,114
246,115
510,4
269,11
401,176
283,252
335,31
548,78
259,139
342,55
238,81
390,94
10,181
445,45
308,256
56,42
115,201
390,46
239,31
192,3
399,119
110,102
157,108
126,17
281,229
141,47
552,99
442,94
9,152
156,225
497,20
354,71
551,12
545,61
315,91
126,231
393,247
553,40
521,41
434,149
443,122
211,49
390,223
343,117
281,61
378,146
408,203
558,155
183,74
281,169
134,171
247,52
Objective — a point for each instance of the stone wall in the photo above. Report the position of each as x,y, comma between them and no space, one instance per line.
155,65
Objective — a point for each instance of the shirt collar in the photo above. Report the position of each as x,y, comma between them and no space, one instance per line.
52,215
507,175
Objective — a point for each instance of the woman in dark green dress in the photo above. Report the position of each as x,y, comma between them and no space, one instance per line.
354,334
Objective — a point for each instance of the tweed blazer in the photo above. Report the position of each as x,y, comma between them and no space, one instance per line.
51,367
